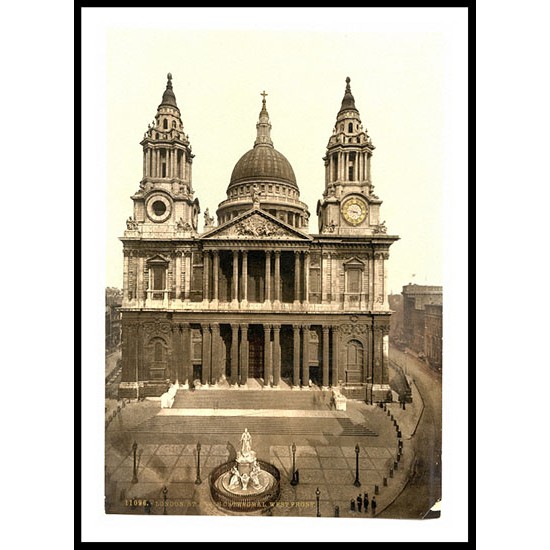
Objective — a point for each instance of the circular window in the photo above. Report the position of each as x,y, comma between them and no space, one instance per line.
159,208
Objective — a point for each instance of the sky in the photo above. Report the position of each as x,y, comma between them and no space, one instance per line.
398,80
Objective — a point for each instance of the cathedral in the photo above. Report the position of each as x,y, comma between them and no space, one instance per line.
258,298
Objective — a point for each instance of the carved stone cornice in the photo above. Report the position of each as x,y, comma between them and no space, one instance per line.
354,329
381,330
157,328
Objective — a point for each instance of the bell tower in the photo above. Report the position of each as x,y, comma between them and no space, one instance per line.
349,205
164,202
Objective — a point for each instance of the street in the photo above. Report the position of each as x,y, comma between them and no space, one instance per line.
424,487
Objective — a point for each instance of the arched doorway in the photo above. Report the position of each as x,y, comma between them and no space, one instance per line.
355,362
157,358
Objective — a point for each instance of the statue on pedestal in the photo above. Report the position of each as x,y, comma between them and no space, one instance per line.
246,441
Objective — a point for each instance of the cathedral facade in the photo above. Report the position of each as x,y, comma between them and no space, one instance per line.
256,294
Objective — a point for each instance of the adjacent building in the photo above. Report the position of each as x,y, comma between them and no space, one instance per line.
113,322
423,321
257,294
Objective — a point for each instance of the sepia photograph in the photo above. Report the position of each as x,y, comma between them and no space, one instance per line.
274,271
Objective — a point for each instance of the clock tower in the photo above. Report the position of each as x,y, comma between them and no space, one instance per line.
349,205
165,202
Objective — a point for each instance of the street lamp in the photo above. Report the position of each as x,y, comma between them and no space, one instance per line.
317,493
198,481
294,480
164,491
135,478
357,483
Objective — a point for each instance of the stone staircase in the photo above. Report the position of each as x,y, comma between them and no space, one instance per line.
259,425
249,400
253,399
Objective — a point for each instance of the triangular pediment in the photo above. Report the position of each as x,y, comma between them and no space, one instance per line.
158,259
256,224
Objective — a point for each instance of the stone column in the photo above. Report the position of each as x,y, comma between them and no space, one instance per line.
206,276
385,355
277,282
125,276
334,278
140,355
335,359
244,354
178,275
187,371
215,274
176,352
215,356
385,256
296,277
206,354
234,354
356,167
296,365
267,356
306,277
377,355
245,277
276,355
267,276
305,356
188,269
235,282
326,343
368,168
372,273
140,289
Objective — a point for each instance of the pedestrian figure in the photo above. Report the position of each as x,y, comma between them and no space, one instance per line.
373,505
147,506
365,502
352,505
359,503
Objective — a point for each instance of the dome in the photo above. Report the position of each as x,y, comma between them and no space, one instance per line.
263,163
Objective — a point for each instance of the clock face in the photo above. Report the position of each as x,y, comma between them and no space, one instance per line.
159,208
354,211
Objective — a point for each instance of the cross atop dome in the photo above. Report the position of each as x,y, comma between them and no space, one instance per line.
263,127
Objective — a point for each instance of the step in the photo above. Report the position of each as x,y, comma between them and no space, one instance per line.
252,399
258,425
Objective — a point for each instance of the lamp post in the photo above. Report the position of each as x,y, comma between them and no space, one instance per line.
164,491
198,481
294,480
317,493
357,483
134,477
